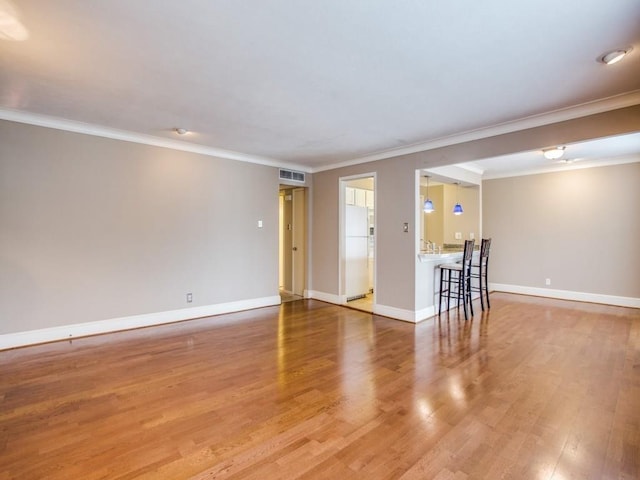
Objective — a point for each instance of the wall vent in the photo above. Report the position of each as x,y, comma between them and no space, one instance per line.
291,175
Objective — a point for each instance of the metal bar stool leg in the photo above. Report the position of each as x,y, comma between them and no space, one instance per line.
441,291
448,289
480,282
468,285
462,292
486,286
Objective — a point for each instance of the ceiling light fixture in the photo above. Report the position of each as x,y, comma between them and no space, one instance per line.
428,204
553,153
181,131
614,56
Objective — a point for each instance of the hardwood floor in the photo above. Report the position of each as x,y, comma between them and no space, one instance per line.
535,389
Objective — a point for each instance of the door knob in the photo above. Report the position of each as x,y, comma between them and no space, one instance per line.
295,249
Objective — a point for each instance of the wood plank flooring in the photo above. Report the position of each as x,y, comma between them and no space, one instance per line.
533,389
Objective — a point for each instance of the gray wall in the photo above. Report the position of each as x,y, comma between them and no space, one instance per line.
580,228
93,229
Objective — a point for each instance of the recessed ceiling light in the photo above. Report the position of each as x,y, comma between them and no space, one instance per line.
615,56
553,153
181,131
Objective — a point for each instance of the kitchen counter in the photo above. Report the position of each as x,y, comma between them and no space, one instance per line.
445,256
445,253
428,279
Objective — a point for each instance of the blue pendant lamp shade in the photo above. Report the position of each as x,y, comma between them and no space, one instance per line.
428,204
457,209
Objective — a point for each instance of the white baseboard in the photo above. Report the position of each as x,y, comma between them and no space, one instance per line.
384,310
425,313
63,332
413,316
325,297
567,295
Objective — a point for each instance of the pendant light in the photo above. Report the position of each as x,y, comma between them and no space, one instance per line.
457,209
428,204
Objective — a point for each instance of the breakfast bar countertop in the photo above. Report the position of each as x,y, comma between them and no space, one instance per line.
430,257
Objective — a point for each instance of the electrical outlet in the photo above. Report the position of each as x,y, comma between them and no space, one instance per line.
458,235
472,236
547,281
259,223
405,227
189,297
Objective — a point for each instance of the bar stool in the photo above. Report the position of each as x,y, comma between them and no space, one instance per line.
458,274
479,270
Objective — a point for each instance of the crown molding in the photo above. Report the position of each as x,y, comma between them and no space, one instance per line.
126,136
570,113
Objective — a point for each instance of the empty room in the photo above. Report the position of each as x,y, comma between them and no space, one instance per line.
306,240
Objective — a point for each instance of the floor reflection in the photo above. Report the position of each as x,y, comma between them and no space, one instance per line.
459,353
356,351
532,389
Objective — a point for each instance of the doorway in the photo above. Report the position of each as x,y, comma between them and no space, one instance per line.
357,241
292,242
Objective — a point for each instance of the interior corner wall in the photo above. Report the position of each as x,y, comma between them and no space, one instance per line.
578,228
94,229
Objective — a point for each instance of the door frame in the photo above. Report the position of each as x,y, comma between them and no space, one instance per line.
301,232
286,265
342,186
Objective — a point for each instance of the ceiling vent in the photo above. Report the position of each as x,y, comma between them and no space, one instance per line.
291,175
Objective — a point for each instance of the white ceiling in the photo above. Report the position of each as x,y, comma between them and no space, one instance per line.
314,83
593,153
